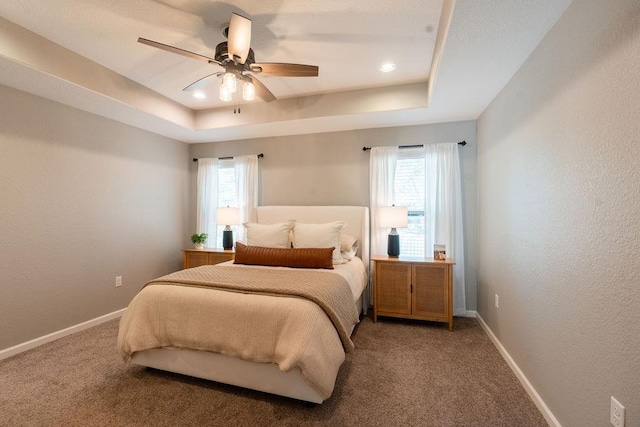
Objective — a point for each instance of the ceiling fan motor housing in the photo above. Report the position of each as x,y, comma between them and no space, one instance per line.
222,56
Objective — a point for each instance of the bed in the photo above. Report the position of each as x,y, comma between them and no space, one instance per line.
301,363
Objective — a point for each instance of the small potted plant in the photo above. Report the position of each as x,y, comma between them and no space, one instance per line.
198,240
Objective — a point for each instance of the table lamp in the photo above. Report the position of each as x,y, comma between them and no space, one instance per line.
392,217
227,216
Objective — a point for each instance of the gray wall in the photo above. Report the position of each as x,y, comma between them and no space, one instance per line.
559,214
83,199
332,169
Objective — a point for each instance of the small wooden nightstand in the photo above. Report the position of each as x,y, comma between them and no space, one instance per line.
208,256
413,288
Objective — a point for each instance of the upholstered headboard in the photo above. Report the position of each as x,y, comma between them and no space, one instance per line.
356,217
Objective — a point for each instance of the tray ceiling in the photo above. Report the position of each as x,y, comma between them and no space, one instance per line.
452,59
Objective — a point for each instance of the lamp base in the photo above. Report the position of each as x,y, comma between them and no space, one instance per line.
227,239
393,245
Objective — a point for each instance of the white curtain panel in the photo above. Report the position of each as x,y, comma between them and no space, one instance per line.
207,199
382,171
443,193
246,170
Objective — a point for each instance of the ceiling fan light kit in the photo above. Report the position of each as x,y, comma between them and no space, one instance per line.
237,59
225,93
248,91
229,80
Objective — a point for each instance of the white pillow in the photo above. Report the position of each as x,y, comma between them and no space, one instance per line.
269,235
348,246
319,236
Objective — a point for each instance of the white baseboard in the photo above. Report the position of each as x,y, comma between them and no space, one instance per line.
533,394
466,313
11,351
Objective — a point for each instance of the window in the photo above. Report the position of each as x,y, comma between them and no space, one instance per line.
227,195
409,183
427,181
225,182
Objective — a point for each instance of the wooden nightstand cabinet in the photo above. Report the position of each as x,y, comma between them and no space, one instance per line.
209,256
413,288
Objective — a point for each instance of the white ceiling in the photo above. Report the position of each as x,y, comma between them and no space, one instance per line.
85,54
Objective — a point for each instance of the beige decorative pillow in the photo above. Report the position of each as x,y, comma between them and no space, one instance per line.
348,246
284,257
319,236
348,242
269,235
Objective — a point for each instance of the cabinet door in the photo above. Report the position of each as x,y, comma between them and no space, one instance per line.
430,290
393,288
195,259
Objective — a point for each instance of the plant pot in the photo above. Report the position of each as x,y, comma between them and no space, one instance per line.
199,245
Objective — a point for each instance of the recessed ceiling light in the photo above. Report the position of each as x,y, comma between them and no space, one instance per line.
199,95
388,67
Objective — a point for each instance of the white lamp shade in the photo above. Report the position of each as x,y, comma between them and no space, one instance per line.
228,216
393,216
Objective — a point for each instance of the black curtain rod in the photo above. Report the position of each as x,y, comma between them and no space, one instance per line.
261,155
463,143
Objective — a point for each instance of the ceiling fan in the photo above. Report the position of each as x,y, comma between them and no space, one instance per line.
237,59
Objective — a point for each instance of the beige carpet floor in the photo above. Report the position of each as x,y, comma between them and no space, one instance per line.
402,373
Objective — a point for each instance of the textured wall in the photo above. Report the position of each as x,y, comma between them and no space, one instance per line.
82,200
332,169
559,214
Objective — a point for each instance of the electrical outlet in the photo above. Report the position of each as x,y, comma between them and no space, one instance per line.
617,413
497,301
118,281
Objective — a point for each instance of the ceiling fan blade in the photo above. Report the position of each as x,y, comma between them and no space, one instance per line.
203,83
285,70
177,51
261,90
239,38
